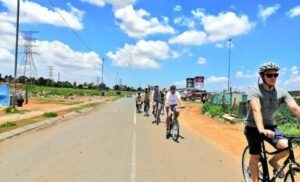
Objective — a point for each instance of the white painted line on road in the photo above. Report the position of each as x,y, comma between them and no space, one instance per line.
134,117
133,159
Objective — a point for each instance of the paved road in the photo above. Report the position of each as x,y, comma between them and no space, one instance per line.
112,144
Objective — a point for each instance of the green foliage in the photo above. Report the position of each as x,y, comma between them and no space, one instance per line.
7,124
50,114
8,109
213,110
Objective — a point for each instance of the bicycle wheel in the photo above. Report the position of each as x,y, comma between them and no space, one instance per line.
246,169
175,129
293,175
156,115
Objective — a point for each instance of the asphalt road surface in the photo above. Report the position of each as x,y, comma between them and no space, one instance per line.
113,144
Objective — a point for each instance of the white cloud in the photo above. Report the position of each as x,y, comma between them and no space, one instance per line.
143,55
219,45
175,54
216,28
190,38
180,84
214,79
198,13
241,74
265,13
294,12
32,12
225,25
139,23
184,21
294,81
115,3
177,8
201,60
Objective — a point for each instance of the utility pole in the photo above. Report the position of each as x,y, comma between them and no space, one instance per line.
16,55
50,69
229,56
102,70
28,68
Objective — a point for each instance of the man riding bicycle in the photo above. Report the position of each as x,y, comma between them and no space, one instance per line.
264,100
138,100
173,98
156,100
146,101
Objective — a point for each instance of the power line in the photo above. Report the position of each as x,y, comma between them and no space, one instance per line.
66,22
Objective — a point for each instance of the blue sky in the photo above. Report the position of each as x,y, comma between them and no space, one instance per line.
158,42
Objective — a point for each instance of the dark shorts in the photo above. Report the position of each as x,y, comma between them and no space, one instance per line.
254,138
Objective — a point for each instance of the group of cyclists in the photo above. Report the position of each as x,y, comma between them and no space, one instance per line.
160,99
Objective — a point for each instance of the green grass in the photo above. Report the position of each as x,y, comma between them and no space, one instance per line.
10,110
85,106
212,110
290,129
7,124
50,114
67,91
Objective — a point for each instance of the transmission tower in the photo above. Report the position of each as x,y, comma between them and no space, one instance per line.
50,69
27,67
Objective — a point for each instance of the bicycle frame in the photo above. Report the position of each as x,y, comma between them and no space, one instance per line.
289,160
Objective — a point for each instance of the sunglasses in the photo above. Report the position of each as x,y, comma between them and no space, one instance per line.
270,75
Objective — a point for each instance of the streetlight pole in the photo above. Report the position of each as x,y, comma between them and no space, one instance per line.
229,56
16,54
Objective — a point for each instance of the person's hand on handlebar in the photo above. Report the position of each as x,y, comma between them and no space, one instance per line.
268,133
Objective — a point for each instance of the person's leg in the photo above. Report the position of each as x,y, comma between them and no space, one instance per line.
168,118
281,144
253,165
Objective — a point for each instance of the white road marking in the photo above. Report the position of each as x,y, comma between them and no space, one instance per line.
134,117
133,161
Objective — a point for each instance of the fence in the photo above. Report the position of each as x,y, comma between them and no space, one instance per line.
4,94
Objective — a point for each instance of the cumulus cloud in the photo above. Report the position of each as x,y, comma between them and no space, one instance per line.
265,13
201,60
190,38
180,84
32,12
215,28
219,45
294,81
139,23
184,21
143,55
214,79
294,12
115,3
241,74
177,8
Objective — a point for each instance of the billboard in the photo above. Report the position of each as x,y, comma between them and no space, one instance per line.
190,83
4,94
199,83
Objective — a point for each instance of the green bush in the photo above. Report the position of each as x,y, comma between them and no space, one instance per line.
212,110
8,109
50,114
7,124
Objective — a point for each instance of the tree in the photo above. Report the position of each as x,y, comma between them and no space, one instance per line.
117,87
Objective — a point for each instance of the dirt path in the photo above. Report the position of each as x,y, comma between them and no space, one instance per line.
227,137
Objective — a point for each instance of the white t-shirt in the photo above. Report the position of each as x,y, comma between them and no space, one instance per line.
173,98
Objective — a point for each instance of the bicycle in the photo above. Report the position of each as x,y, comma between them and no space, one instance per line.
293,174
174,124
157,112
146,108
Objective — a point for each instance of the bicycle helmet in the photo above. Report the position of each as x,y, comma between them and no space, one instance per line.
268,66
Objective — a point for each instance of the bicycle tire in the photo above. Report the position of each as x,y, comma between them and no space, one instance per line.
156,115
175,129
245,166
293,175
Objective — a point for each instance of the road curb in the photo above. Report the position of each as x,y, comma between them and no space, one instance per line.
40,124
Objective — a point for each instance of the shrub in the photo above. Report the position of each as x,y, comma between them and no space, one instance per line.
213,110
7,124
50,114
8,110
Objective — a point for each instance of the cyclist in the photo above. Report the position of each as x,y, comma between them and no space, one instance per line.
146,101
172,100
162,95
156,100
138,99
264,100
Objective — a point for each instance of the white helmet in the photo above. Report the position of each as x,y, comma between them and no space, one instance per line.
268,66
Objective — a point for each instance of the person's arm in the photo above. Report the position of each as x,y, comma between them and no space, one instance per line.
179,99
294,107
256,109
